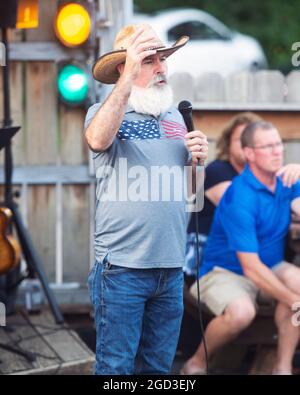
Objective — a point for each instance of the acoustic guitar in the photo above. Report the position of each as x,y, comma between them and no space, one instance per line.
10,251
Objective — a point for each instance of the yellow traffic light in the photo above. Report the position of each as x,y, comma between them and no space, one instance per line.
72,24
28,14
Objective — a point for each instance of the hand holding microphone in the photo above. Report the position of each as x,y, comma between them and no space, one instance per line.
196,141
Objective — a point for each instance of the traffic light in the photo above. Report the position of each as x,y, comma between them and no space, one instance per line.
73,25
73,84
20,14
27,14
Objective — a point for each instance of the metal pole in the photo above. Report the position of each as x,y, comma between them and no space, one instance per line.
6,94
7,120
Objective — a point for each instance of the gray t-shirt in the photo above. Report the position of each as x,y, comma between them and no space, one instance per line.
141,215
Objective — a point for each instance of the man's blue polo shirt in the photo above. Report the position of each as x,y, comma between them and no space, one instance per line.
249,218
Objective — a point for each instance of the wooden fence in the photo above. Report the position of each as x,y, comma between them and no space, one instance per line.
52,165
270,94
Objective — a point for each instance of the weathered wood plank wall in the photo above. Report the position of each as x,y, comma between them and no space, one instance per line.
56,202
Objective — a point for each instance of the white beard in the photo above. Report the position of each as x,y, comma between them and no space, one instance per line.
153,100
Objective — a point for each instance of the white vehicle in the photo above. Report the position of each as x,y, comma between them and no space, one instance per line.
213,47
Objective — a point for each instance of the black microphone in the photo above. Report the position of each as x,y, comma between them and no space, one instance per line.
185,108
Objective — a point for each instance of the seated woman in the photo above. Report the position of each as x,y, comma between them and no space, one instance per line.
229,163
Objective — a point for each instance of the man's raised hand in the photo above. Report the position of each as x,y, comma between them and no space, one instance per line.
139,48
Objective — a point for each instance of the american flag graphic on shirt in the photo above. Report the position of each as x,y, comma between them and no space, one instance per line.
139,130
149,129
174,130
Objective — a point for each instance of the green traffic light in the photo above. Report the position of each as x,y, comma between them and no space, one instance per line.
72,84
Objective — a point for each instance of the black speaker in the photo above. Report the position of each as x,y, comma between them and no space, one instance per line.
8,13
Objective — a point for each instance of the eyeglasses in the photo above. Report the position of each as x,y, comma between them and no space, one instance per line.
270,147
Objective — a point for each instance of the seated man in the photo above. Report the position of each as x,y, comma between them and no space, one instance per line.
244,254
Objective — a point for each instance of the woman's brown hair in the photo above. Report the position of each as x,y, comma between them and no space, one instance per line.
223,143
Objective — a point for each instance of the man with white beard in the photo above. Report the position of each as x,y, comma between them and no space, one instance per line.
136,282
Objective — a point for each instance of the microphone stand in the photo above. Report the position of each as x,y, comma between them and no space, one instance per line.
33,261
185,108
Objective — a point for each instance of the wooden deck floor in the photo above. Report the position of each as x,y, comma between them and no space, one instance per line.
49,348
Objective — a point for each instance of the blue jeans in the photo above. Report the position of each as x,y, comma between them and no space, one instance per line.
138,315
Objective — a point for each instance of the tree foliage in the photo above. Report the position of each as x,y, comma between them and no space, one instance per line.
275,23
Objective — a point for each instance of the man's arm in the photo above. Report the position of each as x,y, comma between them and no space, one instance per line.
215,193
265,279
104,126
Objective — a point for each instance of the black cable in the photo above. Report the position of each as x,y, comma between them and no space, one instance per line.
196,217
186,110
14,344
15,349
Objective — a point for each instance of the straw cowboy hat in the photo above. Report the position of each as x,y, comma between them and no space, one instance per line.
105,68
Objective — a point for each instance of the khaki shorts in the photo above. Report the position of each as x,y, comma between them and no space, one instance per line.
220,287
